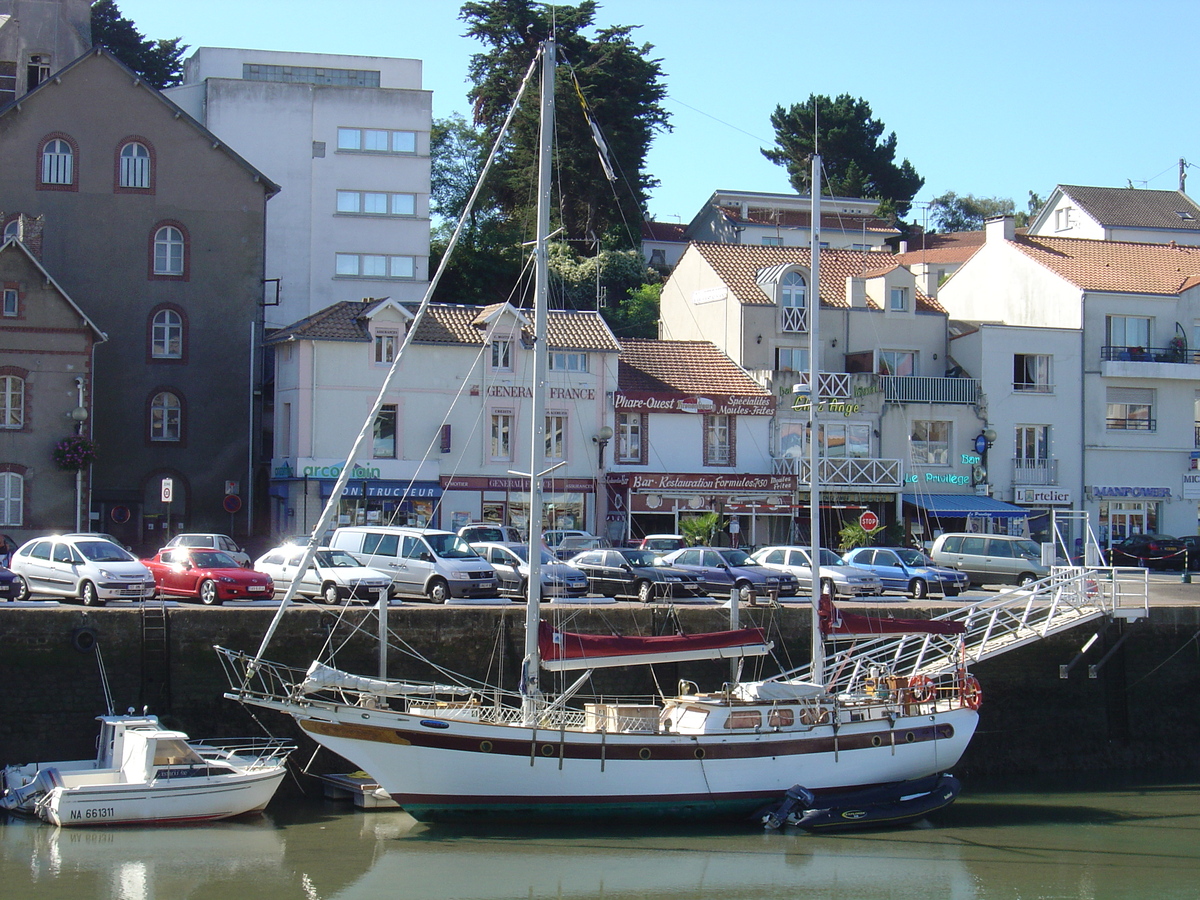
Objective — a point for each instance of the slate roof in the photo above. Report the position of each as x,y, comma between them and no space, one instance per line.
738,266
684,367
1116,266
1135,208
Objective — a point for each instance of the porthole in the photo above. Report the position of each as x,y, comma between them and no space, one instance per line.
644,753
909,737
547,749
876,740
699,753
485,746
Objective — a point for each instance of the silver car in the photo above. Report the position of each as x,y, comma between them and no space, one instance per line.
838,578
92,569
511,562
333,575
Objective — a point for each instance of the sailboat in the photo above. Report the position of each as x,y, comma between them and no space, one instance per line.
454,751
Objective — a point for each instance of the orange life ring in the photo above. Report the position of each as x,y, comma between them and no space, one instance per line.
920,689
970,692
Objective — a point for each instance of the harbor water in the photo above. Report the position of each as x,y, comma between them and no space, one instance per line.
1118,840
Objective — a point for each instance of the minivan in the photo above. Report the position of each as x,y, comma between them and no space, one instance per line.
991,558
422,561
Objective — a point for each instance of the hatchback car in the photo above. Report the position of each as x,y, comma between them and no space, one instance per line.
210,576
478,532
721,569
222,542
662,543
908,571
91,569
332,576
621,571
511,562
1154,551
838,577
8,584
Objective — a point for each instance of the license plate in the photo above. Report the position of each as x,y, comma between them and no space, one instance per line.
256,587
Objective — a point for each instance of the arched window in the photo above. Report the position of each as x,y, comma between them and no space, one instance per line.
58,162
166,335
12,498
793,302
166,417
12,402
168,251
134,166
12,229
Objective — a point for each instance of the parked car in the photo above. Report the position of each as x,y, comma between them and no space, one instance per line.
333,575
511,562
7,547
662,543
722,569
908,571
221,542
838,577
422,561
1192,543
1153,551
478,532
8,584
210,576
990,558
552,537
99,535
624,571
93,570
572,545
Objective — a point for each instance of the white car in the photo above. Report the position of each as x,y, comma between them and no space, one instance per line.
211,542
93,569
838,578
333,576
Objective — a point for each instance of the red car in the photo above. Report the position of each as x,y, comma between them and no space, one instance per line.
210,576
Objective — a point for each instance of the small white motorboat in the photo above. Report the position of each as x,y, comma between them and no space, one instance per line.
144,773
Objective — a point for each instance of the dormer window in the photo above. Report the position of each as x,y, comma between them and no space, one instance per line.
502,356
793,302
898,299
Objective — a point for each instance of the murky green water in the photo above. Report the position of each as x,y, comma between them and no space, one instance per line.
1120,842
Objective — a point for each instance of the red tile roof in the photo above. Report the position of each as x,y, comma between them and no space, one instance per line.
663,231
1115,266
932,249
686,367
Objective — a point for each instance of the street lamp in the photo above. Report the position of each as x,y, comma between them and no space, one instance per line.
983,443
79,415
601,439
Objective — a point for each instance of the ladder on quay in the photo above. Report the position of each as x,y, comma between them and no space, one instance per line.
156,670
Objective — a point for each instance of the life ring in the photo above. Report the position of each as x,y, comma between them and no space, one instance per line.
970,692
83,640
920,689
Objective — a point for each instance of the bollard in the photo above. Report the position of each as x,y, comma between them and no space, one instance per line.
1185,578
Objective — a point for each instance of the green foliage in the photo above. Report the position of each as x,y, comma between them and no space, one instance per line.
159,62
1032,208
858,160
576,280
950,212
457,153
700,529
637,316
854,535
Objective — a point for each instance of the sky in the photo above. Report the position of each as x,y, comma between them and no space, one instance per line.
994,98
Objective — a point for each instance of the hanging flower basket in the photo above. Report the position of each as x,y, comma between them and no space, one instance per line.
74,453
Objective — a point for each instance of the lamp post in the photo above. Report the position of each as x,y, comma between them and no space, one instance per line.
601,439
78,415
983,443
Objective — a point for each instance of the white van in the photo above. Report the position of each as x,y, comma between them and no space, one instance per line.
990,558
437,564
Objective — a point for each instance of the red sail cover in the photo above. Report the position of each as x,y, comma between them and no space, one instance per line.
567,650
835,621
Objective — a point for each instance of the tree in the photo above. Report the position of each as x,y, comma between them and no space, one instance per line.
637,315
159,62
623,88
950,212
857,160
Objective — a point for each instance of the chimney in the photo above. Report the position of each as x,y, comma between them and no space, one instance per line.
904,246
1001,228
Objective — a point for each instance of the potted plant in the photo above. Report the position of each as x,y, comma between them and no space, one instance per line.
74,452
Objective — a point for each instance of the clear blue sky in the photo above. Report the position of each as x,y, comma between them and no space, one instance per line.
988,98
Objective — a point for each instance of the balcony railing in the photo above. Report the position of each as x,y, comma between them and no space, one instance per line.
830,384
1131,424
1175,354
847,474
922,389
1035,471
793,318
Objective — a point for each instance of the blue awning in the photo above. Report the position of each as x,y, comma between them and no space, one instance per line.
960,505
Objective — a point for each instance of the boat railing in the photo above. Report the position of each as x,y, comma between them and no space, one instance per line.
249,752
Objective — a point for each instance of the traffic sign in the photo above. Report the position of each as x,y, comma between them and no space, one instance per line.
232,503
868,520
168,489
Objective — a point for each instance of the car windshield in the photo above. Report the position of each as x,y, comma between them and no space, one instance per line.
213,559
737,558
450,546
193,540
523,552
335,559
1028,549
829,558
103,551
643,558
913,557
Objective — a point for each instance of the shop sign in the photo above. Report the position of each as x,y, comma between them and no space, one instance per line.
488,483
1191,485
389,490
1041,496
835,406
936,478
553,393
359,472
704,482
1104,491
718,405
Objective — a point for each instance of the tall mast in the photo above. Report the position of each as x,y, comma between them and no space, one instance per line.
814,437
532,663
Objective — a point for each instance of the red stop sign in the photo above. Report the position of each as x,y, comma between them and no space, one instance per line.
868,520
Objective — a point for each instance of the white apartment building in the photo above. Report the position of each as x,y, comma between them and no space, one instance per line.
347,139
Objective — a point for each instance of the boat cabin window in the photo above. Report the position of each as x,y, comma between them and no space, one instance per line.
690,719
175,753
744,718
781,718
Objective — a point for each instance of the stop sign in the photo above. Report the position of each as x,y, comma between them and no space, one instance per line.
868,520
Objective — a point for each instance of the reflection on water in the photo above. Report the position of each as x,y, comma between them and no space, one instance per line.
1128,842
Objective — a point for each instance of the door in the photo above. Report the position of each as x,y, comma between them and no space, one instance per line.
891,571
507,568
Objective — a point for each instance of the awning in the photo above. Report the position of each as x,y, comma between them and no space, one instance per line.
961,505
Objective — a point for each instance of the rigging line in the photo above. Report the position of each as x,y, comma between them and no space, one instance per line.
729,125
1184,646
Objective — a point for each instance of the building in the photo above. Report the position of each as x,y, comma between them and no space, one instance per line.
1118,214
37,38
347,138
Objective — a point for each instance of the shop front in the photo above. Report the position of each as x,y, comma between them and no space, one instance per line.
928,515
1041,503
1125,510
569,502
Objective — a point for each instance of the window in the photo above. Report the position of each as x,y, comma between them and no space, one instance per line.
134,171
12,230
310,75
168,251
631,433
376,203
1128,332
793,293
1031,372
897,362
898,299
8,81
502,355
930,443
502,424
771,241
846,440
386,343
12,401
375,265
37,71
1130,409
166,335
791,359
556,436
12,498
385,433
166,417
1064,218
1033,442
58,159
11,308
376,140
568,362
718,440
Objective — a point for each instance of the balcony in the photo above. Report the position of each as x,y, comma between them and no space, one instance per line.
830,385
845,474
793,318
922,389
1035,471
1175,362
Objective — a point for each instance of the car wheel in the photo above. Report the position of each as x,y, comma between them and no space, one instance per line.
1025,579
329,593
438,590
827,587
23,592
523,590
89,595
208,593
645,591
919,588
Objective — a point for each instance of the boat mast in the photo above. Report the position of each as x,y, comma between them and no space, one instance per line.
532,663
814,437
